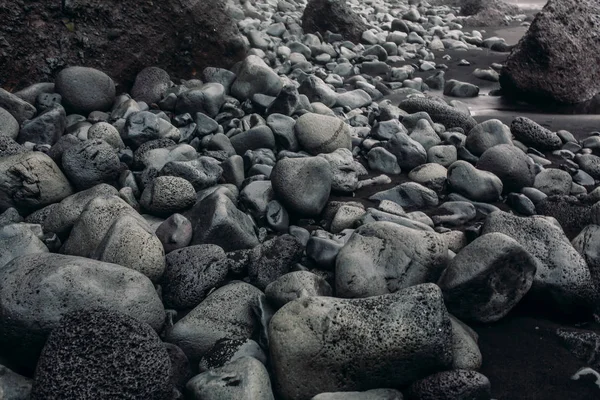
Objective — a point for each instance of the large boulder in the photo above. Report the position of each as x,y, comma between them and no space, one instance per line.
335,16
325,344
197,34
552,61
37,290
102,353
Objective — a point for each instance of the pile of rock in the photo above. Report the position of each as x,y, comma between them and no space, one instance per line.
195,238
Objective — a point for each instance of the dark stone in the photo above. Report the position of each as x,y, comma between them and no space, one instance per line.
46,128
451,385
439,112
273,259
334,16
95,354
572,215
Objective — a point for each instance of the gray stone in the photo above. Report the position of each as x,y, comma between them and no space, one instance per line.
227,350
296,285
14,386
323,344
84,89
17,107
150,85
409,153
373,394
430,175
8,147
322,134
260,137
553,181
510,164
317,91
383,257
255,76
487,135
452,385
273,259
344,170
439,112
410,195
533,134
108,133
353,99
167,195
17,240
91,163
473,183
143,126
464,346
454,213
202,172
283,130
456,88
424,133
207,99
175,232
46,128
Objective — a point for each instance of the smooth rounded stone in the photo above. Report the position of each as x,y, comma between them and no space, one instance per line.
102,353
553,181
571,213
167,195
202,172
65,214
439,112
345,217
424,133
150,85
534,194
207,99
487,278
296,285
106,132
45,129
533,134
409,195
17,240
430,175
191,273
216,220
84,89
255,197
444,155
408,151
583,178
250,376
510,164
260,137
324,344
143,126
227,350
456,88
475,184
373,394
303,185
318,133
586,243
521,204
589,163
385,130
562,273
283,130
486,135
227,313
38,290
382,160
452,385
345,170
132,243
383,257
31,180
255,76
17,107
90,163
31,92
454,213
174,233
318,91
488,74
353,99
14,386
464,346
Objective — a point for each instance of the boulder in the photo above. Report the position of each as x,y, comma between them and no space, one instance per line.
295,285
440,112
102,353
335,16
14,386
452,385
18,240
318,133
91,163
84,90
549,65
198,34
515,169
325,344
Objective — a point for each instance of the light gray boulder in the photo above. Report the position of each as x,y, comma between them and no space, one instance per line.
409,195
318,133
344,170
8,124
17,240
475,184
84,89
553,181
167,195
408,152
466,353
486,135
383,257
295,285
515,169
255,76
324,344
202,172
452,385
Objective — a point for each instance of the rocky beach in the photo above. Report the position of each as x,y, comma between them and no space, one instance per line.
300,200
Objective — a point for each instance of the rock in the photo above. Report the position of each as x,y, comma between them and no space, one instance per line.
227,313
228,350
15,106
216,220
102,353
408,152
201,34
31,180
532,134
553,181
381,160
454,213
439,112
174,233
323,344
150,85
273,259
487,278
14,386
383,257
562,274
486,135
354,99
456,88
260,137
283,130
430,175
464,345
143,126
410,195
207,99
510,164
296,285
9,147
452,385
545,54
322,134
191,273
167,195
373,394
38,290
250,381
254,76
303,185
46,128
277,217
202,172
91,163
346,217
84,89
424,133
17,240
569,211
473,183
334,16
108,133
344,170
